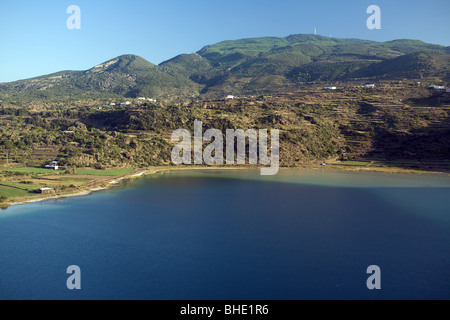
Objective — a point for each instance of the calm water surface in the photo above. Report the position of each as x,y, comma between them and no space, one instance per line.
235,235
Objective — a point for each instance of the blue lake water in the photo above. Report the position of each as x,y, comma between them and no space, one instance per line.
235,235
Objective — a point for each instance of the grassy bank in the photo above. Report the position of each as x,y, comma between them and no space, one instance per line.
18,185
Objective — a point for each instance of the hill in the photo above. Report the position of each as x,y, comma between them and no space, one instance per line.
261,64
125,76
241,67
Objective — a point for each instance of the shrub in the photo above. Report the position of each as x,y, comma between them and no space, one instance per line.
98,166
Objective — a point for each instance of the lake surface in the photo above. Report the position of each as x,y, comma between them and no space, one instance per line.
235,235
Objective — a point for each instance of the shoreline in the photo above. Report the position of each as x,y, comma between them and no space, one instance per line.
107,184
104,185
114,181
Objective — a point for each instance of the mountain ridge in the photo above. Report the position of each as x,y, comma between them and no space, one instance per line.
243,66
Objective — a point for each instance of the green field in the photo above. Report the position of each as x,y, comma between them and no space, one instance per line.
12,192
31,170
108,173
14,189
29,187
395,163
72,179
354,163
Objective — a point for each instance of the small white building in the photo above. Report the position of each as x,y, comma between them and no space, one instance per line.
47,190
146,99
54,165
330,88
436,87
369,86
125,103
230,97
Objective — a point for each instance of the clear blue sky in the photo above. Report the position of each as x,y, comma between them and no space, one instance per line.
34,39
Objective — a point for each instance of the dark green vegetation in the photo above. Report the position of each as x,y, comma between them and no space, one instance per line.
242,67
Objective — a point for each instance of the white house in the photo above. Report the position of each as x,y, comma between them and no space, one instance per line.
126,103
230,97
54,165
330,88
436,87
47,190
146,99
369,86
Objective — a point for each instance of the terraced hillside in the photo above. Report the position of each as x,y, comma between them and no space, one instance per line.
403,122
